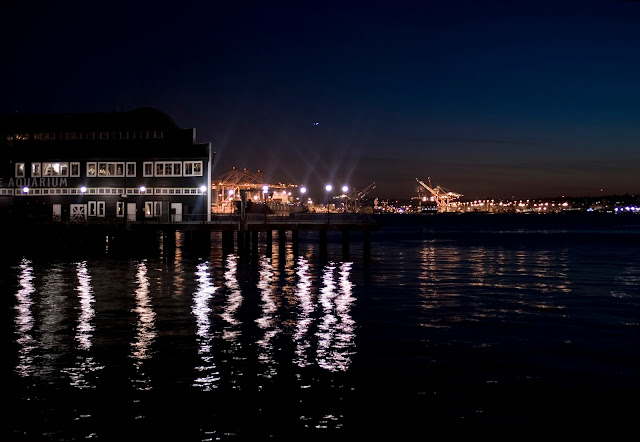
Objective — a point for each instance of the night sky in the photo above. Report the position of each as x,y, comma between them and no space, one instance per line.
491,99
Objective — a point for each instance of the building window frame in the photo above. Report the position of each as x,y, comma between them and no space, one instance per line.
49,169
110,169
120,205
74,169
147,170
92,208
131,169
192,168
44,136
20,170
36,170
92,169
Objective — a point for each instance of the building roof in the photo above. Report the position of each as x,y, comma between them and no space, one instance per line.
140,118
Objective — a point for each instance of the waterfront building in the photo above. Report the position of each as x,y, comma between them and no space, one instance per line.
103,167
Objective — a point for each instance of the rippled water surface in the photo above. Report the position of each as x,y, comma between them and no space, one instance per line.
489,325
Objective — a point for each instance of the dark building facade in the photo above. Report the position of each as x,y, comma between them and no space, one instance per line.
131,166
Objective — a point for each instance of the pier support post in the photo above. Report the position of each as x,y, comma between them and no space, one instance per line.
366,243
254,242
295,241
345,244
269,241
323,243
282,241
227,241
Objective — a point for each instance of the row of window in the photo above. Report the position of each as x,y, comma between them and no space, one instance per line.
97,208
111,169
104,191
101,135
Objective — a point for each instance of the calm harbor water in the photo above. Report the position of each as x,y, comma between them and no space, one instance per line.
496,325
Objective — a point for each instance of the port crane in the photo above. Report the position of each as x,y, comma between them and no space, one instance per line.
446,199
355,196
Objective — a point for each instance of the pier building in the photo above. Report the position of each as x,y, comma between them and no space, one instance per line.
127,166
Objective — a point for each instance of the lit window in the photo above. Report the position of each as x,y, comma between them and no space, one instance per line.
148,168
131,169
71,136
44,136
36,169
91,169
19,170
120,209
55,169
193,168
21,137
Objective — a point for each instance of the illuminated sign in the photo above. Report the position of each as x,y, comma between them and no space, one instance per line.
37,182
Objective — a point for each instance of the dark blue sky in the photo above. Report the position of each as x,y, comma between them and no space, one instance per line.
488,98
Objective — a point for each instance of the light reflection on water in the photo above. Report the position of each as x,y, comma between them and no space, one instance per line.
141,346
224,340
207,370
268,321
24,321
85,364
336,331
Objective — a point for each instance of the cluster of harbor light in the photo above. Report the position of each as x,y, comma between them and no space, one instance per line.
279,195
610,204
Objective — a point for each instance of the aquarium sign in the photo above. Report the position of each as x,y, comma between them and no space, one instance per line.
37,182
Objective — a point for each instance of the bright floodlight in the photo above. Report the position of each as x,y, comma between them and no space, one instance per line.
345,188
25,189
328,187
83,189
230,192
265,189
143,189
203,188
303,189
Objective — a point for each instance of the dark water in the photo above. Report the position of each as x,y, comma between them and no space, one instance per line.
483,325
